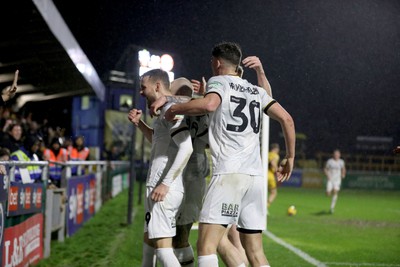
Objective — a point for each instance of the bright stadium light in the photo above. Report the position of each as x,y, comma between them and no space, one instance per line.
167,62
148,61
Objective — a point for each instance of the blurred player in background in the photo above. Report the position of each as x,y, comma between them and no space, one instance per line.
273,164
335,171
171,149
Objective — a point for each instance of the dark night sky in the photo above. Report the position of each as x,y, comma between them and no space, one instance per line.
334,65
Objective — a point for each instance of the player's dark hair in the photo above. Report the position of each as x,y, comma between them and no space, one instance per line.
228,51
274,146
158,75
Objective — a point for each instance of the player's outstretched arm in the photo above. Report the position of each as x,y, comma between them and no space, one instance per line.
254,62
278,113
196,107
161,101
10,92
185,149
134,116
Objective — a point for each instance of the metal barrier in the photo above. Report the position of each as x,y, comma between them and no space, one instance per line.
54,217
55,203
23,213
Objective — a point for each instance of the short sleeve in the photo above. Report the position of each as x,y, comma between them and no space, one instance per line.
216,85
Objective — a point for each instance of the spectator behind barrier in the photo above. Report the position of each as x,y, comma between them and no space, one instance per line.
10,91
4,156
12,139
78,152
27,152
55,153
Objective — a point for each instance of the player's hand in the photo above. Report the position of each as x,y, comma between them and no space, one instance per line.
3,170
199,87
157,105
396,150
169,116
285,169
134,116
159,193
253,62
12,89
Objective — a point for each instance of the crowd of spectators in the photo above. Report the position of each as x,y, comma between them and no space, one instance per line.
24,139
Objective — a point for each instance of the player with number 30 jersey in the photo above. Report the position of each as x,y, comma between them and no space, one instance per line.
235,125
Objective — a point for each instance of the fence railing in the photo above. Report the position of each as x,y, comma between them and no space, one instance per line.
364,162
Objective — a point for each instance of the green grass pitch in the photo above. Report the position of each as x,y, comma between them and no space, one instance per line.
363,231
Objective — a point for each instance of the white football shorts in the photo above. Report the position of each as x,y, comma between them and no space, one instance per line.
160,217
333,184
236,198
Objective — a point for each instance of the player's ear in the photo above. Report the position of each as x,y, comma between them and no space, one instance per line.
158,86
219,63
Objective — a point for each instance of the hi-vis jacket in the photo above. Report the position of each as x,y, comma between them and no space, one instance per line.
35,172
76,155
55,169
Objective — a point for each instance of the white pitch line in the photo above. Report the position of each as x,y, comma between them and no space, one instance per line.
295,250
355,264
310,259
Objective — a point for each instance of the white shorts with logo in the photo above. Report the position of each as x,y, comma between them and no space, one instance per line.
333,184
160,217
192,202
236,198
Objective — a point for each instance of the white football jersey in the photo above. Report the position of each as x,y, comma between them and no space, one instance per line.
334,168
164,150
234,131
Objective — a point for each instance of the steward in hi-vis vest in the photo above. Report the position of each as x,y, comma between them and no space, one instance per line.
78,152
55,153
27,152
